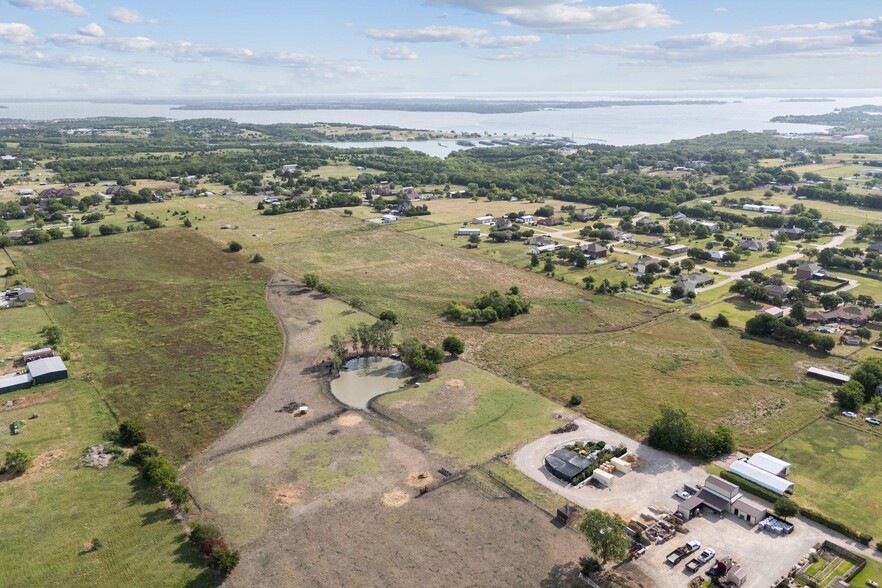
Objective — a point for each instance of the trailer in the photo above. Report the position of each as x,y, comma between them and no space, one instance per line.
680,553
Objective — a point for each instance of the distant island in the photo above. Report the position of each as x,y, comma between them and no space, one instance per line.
417,105
807,100
866,116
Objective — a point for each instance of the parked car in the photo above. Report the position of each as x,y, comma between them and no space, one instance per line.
682,494
873,421
849,414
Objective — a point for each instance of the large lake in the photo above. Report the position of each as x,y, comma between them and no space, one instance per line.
618,125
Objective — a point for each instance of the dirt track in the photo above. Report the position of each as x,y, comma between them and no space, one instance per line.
332,499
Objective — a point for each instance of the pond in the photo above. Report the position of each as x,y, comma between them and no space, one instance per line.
365,378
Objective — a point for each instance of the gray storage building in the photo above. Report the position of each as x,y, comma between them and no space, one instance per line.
48,369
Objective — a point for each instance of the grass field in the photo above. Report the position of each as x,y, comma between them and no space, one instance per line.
159,320
837,470
716,375
477,415
53,512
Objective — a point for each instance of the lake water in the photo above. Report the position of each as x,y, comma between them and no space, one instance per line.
617,125
367,377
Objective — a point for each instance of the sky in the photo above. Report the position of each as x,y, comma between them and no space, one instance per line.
86,48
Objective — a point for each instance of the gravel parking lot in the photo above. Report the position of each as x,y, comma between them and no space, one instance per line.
651,486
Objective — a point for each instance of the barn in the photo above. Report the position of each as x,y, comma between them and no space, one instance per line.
48,369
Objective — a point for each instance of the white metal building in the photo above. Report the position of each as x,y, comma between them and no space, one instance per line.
761,477
770,463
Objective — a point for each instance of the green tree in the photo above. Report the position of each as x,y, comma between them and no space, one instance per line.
223,560
389,316
453,345
868,375
786,508
549,265
606,534
797,311
18,461
235,246
850,396
534,260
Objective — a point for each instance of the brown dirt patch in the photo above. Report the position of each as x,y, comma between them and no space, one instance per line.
45,460
32,399
419,479
349,420
396,498
289,495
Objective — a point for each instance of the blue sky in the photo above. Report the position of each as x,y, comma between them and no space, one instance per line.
54,48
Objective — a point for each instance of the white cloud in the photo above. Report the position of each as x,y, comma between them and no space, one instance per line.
865,23
721,10
395,53
570,16
716,46
17,33
65,61
430,34
91,30
68,6
506,42
128,16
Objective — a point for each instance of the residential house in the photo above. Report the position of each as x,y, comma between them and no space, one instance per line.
778,290
584,217
875,248
711,226
57,193
809,271
539,241
551,221
643,262
527,219
751,244
679,216
717,255
594,250
502,224
853,315
792,233
693,281
620,210
644,221
26,192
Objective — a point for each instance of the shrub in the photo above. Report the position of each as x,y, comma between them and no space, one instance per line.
79,231
836,526
258,258
749,486
590,566
142,452
575,400
131,434
223,560
18,461
389,317
696,316
205,537
785,508
721,321
453,345
110,229
235,246
311,280
159,471
178,494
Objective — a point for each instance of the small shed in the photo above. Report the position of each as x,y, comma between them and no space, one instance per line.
674,249
468,232
48,369
25,294
29,356
827,375
603,478
748,511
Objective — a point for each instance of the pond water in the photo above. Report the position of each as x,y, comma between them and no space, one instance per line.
367,377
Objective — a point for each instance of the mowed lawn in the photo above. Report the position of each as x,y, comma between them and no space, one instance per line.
837,470
480,414
174,331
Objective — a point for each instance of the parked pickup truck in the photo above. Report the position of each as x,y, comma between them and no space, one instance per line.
680,553
702,558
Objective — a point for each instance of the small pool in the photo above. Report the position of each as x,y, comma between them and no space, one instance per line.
365,378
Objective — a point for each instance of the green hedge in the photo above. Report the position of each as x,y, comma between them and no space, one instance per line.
754,489
807,513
